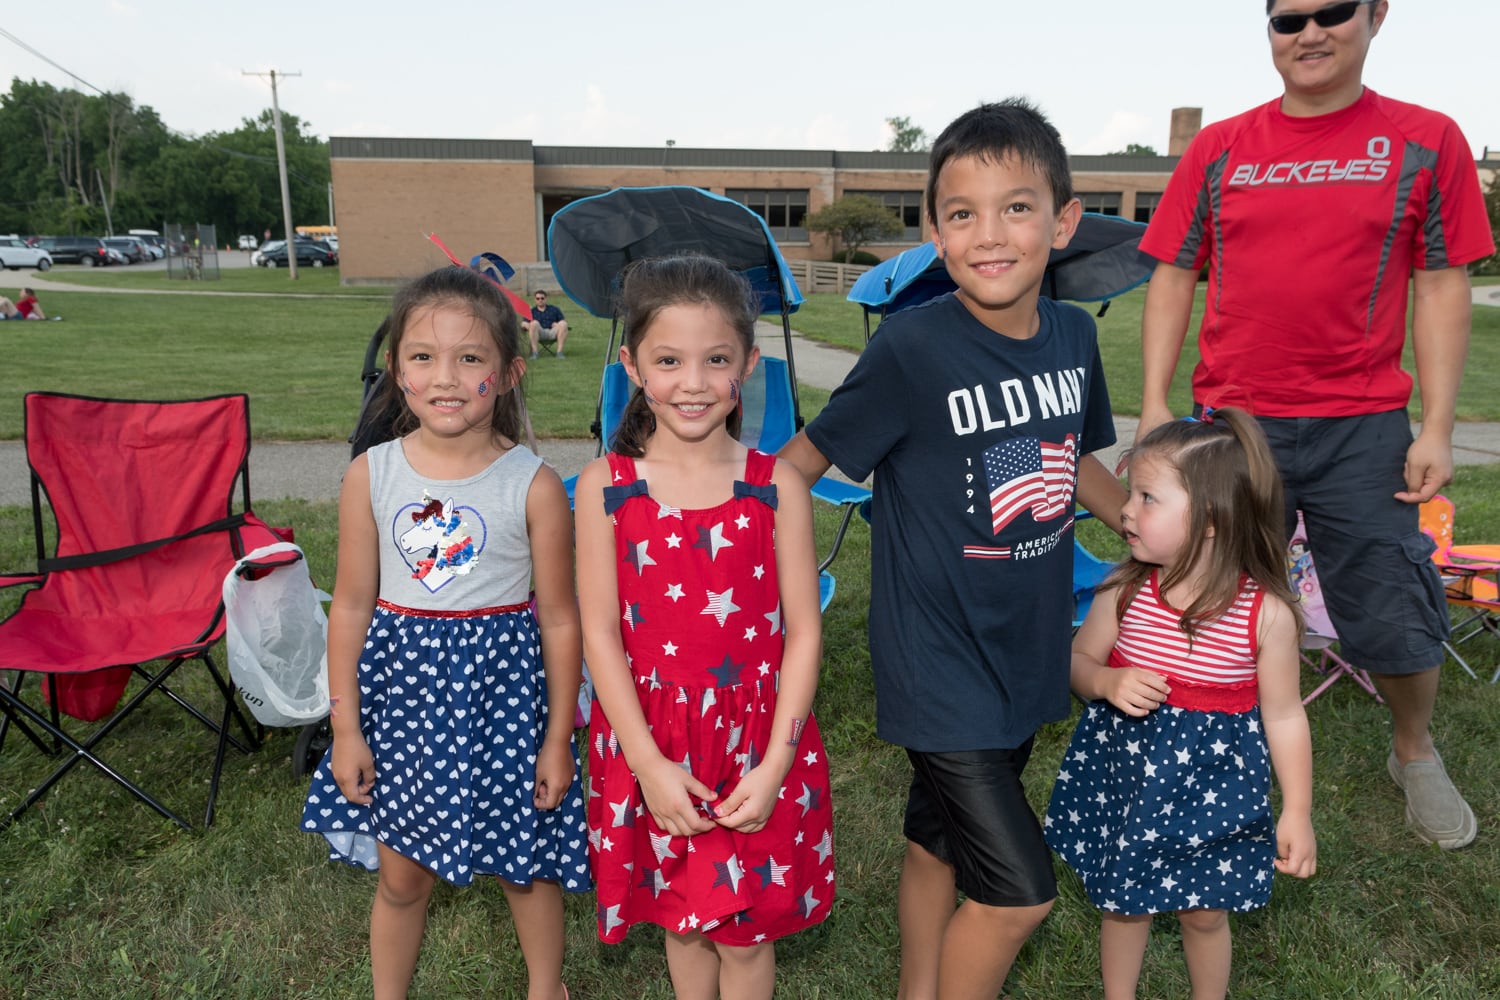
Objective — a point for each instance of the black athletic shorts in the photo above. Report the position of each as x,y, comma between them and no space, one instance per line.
968,809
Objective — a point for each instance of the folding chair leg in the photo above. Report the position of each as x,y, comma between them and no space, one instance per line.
1461,661
83,751
8,715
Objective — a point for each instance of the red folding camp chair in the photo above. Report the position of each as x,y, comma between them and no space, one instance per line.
143,496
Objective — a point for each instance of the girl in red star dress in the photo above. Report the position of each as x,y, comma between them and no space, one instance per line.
708,786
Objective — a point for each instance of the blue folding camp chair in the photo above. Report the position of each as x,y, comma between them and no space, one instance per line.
590,241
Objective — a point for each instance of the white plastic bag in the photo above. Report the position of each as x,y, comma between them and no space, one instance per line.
277,636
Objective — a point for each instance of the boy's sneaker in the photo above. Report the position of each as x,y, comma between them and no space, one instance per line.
1434,808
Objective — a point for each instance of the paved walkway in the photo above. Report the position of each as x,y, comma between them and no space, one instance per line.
312,470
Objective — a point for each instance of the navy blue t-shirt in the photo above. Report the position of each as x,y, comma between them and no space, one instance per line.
974,439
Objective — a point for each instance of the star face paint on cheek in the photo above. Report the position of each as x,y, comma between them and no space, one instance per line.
488,383
734,390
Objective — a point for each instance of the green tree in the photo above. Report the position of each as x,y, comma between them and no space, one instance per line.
1491,264
906,137
855,220
1134,149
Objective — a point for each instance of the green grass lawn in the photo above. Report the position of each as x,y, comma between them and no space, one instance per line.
100,897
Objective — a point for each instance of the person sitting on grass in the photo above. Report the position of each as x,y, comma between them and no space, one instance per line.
26,307
546,324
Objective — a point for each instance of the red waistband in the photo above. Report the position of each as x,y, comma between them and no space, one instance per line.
504,609
1235,698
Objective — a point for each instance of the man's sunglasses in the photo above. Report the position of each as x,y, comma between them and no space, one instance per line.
1328,17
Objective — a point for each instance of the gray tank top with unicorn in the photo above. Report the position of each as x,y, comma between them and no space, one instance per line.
452,545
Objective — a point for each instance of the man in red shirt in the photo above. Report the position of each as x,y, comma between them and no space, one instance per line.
1315,213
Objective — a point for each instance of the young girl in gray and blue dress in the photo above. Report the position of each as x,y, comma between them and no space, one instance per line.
1188,659
452,746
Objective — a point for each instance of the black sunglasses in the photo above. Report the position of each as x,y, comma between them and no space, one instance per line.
1328,17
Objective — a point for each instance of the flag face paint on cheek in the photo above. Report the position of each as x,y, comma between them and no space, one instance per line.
489,383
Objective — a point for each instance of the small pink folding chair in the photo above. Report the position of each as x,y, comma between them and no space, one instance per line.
1319,636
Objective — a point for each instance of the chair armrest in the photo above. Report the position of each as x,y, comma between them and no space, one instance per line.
16,579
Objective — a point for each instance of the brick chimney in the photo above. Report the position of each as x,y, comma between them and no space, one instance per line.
1186,123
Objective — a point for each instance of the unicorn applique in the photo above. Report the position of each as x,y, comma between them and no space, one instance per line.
440,532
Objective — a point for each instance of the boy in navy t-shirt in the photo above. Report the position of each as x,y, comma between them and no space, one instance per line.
976,412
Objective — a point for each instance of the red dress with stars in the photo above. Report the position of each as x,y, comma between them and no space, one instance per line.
700,619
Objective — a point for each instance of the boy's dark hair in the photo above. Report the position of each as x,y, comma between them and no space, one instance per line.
649,286
993,132
469,291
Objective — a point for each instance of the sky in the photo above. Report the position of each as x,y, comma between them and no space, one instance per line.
770,75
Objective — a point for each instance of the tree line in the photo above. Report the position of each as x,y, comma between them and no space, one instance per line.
75,163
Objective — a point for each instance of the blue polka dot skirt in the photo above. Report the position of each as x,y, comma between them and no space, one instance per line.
453,710
1166,812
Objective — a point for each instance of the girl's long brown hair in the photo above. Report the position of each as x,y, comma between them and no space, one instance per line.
1233,487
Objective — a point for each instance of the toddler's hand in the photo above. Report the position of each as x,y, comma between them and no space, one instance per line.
1135,691
1296,846
669,791
353,768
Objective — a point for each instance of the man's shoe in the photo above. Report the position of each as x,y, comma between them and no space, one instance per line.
1434,808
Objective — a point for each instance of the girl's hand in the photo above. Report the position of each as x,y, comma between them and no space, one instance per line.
748,808
1134,690
669,791
554,774
353,768
1296,846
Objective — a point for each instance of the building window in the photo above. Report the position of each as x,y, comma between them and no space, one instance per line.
907,204
785,212
1145,205
1102,202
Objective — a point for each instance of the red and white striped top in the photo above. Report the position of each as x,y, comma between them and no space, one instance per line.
1223,651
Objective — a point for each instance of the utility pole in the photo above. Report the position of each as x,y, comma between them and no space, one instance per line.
286,193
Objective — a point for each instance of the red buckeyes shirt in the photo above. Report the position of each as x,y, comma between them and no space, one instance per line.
1311,228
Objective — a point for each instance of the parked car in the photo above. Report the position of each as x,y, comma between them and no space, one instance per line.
15,254
77,250
248,243
312,254
128,247
258,258
116,255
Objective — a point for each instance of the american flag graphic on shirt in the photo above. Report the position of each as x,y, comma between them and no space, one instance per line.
1030,474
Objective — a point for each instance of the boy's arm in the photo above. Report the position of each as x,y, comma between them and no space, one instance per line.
1164,326
1100,492
805,457
1441,314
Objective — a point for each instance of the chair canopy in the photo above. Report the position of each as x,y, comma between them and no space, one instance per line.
591,240
1101,261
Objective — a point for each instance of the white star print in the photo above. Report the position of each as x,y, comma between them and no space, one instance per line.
717,541
661,846
1192,900
1149,836
674,541
824,847
759,572
721,606
669,649
811,757
1225,867
1210,798
742,522
1132,747
1168,882
750,634
674,591
1150,769
1183,756
1218,747
612,918
641,559
662,510
774,617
